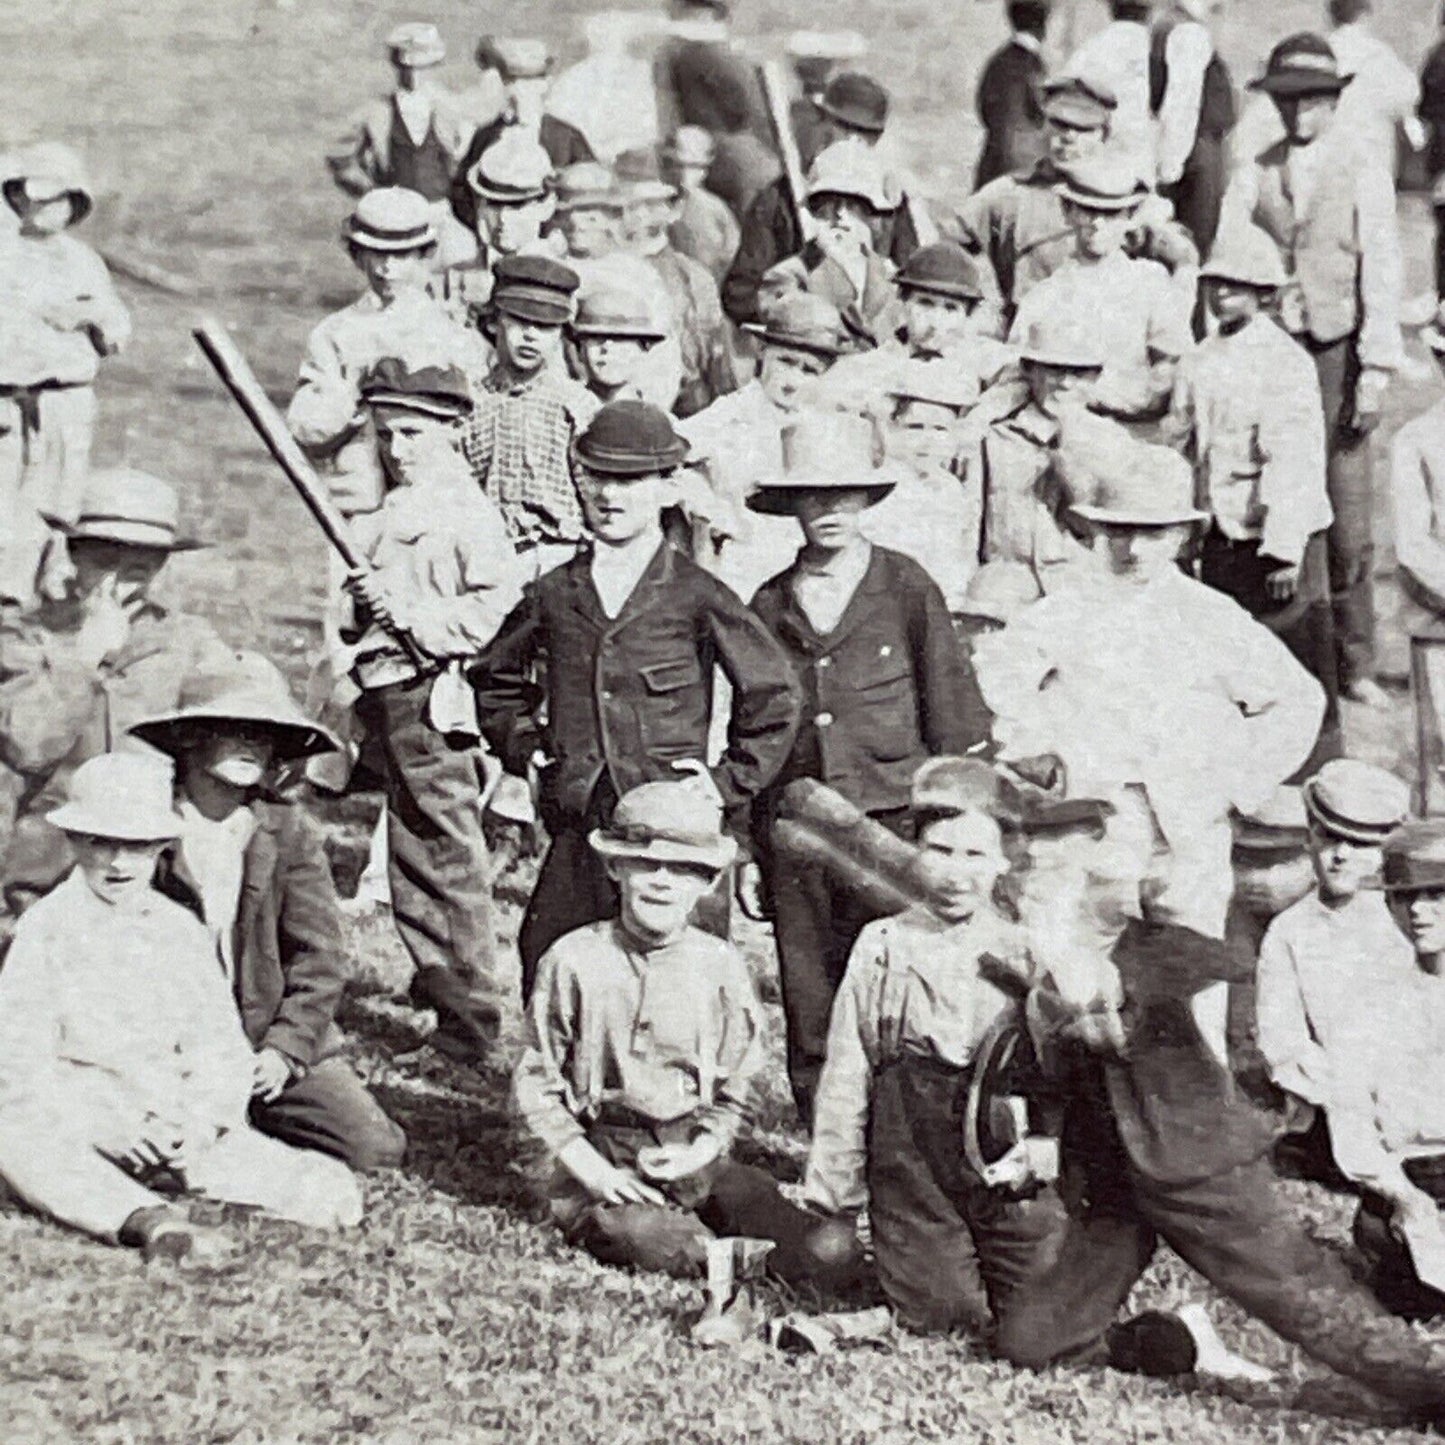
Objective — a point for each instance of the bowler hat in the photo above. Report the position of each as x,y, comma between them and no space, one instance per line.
48,171
640,178
1415,857
604,310
847,168
999,591
1302,65
942,269
801,322
1104,182
247,689
630,439
439,391
121,504
125,796
690,145
1245,256
513,170
856,102
534,288
586,186
416,44
823,452
1153,488
1356,800
391,218
666,822
1080,103
515,57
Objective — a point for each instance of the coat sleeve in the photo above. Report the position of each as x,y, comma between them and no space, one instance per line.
325,410
1188,53
507,696
952,711
540,1089
46,699
769,234
313,961
1296,1062
1382,271
1292,440
107,319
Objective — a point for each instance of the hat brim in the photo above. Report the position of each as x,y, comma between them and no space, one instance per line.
418,59
1104,205
1338,826
948,290
788,342
1234,278
1429,880
1059,361
136,826
619,331
1078,115
1109,517
527,308
391,245
779,498
135,537
441,408
1298,85
590,201
631,464
634,191
16,195
850,120
294,738
883,205
712,857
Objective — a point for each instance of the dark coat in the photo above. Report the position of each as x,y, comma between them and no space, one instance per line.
1432,107
886,690
710,83
562,141
1008,106
291,969
629,696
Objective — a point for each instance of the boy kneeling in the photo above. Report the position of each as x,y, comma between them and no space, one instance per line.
645,1041
124,1071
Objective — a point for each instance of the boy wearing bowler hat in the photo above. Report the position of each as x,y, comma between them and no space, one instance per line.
519,438
631,632
645,1042
250,864
885,686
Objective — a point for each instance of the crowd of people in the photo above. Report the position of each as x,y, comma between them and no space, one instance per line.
965,587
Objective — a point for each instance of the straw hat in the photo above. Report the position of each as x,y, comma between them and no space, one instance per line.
1356,801
666,822
847,168
1247,257
416,44
1154,488
513,170
126,796
1107,182
823,452
391,218
121,504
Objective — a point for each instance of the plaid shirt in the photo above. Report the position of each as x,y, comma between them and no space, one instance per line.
517,445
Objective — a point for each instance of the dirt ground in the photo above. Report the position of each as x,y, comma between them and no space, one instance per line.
453,1314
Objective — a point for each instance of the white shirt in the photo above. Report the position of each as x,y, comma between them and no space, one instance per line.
616,571
824,587
1118,57
1417,487
415,109
1187,54
936,520
214,854
1381,98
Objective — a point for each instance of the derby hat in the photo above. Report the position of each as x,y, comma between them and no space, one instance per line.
1105,182
856,102
125,796
847,168
121,504
942,269
1153,488
1245,256
1302,65
1082,104
515,57
1415,857
534,288
605,310
440,391
801,321
248,691
513,171
666,822
823,452
416,44
630,439
640,178
1356,801
586,186
391,218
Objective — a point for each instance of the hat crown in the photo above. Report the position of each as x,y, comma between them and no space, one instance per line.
677,812
515,57
1246,254
834,449
528,270
248,682
440,384
604,304
516,161
1080,97
936,381
850,168
1354,793
126,795
638,164
1059,340
1155,487
631,436
391,214
944,265
417,42
126,495
856,100
1107,176
583,184
961,785
805,318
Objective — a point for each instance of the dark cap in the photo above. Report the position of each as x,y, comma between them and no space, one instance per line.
439,391
1415,857
855,101
630,439
1302,65
534,288
943,269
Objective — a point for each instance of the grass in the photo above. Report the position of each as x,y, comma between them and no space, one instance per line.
453,1314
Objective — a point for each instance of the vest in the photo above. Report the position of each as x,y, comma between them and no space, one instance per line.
1321,249
425,168
1217,112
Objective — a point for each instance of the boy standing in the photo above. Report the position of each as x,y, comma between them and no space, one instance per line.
705,228
631,632
644,1045
614,334
1009,92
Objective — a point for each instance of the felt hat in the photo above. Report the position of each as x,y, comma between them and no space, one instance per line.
48,171
440,391
1107,182
1057,342
1415,857
249,690
121,504
690,145
847,168
666,822
416,44
1247,257
856,102
586,186
1301,65
640,178
1154,487
630,439
942,269
534,288
823,452
1083,104
801,322
513,170
606,310
391,218
999,591
937,381
126,796
1356,800
1278,825
515,57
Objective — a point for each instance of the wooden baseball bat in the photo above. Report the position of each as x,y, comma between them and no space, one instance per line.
775,93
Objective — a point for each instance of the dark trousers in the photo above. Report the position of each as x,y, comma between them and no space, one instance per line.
1351,537
1198,194
330,1110
1392,1271
951,1253
439,868
816,923
1440,251
1305,623
1236,1230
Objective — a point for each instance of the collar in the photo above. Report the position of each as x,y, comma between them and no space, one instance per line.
1025,41
1033,425
504,377
852,561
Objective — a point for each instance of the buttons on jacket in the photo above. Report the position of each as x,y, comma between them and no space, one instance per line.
824,719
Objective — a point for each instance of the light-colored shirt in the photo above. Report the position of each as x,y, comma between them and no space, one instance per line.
1382,97
824,586
936,520
913,986
670,1034
213,853
1417,489
616,571
1187,54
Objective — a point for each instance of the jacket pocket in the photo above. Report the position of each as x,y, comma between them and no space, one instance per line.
660,678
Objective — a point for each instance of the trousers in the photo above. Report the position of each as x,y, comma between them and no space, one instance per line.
1392,1271
330,1110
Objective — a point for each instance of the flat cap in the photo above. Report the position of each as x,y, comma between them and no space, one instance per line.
438,391
535,288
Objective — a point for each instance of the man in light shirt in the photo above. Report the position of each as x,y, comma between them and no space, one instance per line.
1117,57
1381,100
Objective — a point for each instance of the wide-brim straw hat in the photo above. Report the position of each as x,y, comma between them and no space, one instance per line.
124,796
133,508
666,822
823,452
1153,488
249,691
513,171
1109,183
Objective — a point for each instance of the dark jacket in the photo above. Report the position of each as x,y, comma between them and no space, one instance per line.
291,968
1008,106
887,689
1432,107
627,697
562,141
710,83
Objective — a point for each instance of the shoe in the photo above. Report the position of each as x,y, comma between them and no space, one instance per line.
1213,1356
